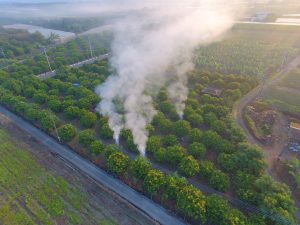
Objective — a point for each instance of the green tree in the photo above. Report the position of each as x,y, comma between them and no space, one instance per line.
197,150
247,158
85,103
55,105
181,128
140,167
219,181
195,135
169,140
219,126
48,120
97,147
40,97
219,212
127,136
153,144
174,154
206,168
195,119
160,155
173,184
88,119
32,114
191,202
189,166
217,208
117,163
153,181
105,130
72,112
110,149
29,91
244,187
67,132
86,137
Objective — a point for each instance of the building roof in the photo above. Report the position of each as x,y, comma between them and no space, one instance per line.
295,126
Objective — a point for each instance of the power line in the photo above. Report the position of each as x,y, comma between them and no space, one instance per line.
45,52
90,46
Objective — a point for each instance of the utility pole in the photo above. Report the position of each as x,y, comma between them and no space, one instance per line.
51,116
90,45
44,50
2,52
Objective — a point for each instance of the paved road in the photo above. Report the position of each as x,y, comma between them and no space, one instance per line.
257,92
50,74
155,211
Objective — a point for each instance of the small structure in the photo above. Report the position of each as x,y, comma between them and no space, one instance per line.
295,131
213,91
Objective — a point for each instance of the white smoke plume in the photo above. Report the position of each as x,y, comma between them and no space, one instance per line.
163,35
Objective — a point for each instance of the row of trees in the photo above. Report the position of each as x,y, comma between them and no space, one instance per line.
189,201
184,144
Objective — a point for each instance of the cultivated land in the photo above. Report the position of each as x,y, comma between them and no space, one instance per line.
205,147
251,50
38,188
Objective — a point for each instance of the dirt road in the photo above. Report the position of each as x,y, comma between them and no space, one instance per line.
258,92
280,128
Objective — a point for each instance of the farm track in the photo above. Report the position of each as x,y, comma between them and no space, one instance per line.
258,92
272,153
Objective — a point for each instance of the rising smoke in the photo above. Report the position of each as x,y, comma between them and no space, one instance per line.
145,46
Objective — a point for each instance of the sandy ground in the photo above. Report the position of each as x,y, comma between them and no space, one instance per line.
99,197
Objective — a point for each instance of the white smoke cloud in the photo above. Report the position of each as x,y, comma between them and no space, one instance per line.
163,35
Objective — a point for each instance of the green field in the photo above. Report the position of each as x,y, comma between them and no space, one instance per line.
284,100
286,97
31,195
254,50
292,80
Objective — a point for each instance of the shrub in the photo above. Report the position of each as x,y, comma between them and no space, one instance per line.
197,150
219,181
88,119
117,163
72,112
97,147
67,132
153,181
140,167
189,166
86,137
